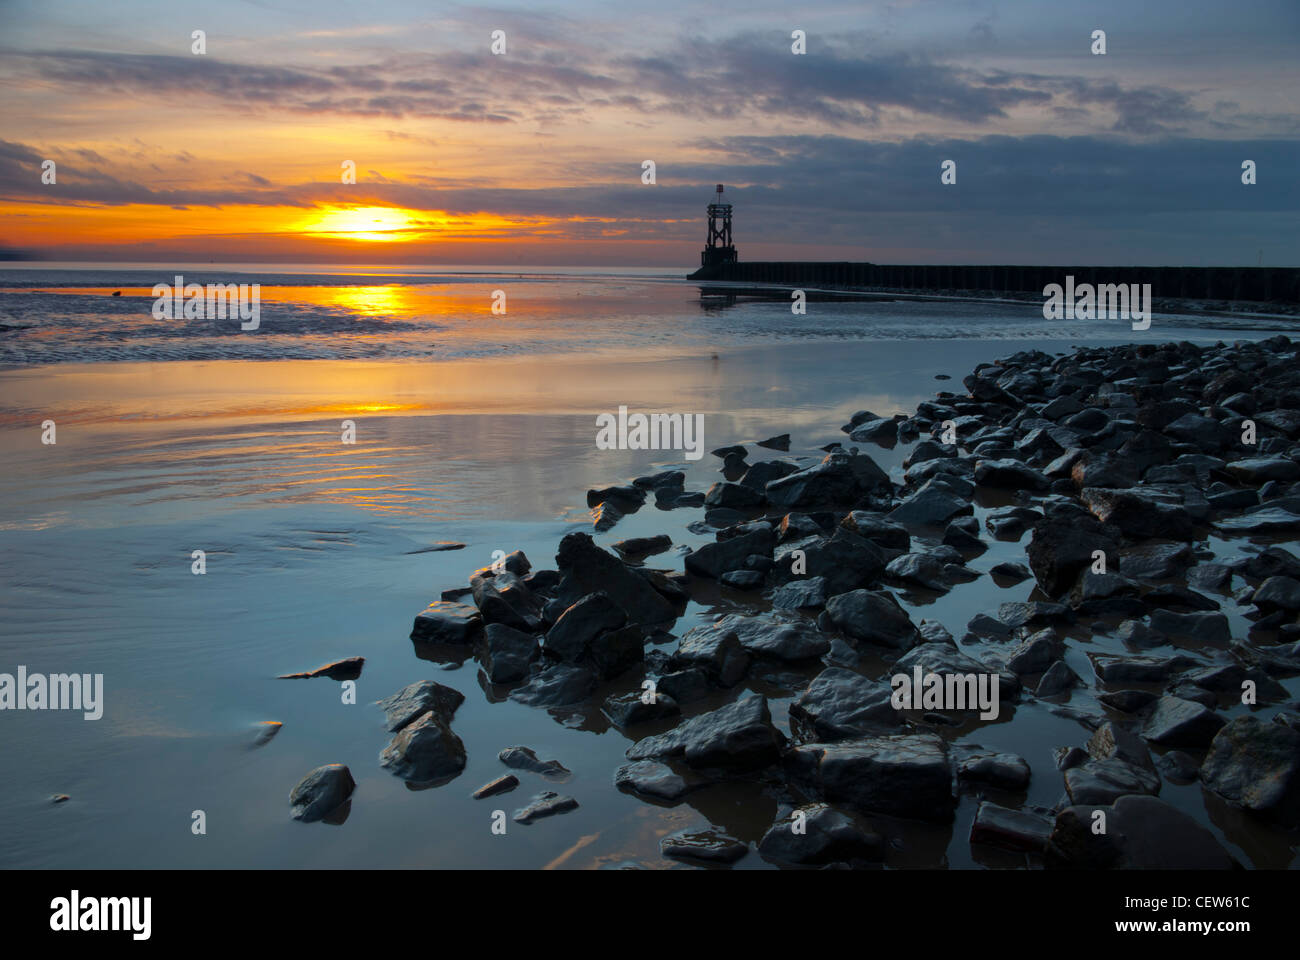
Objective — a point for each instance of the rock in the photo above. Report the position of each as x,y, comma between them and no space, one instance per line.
839,479
1016,830
1137,514
594,570
883,431
1104,470
321,793
503,598
715,559
827,836
845,561
1034,613
685,686
1268,519
1256,765
1259,470
873,617
985,627
628,709
627,499
1211,628
1036,653
944,658
617,651
558,685
545,804
1059,678
1176,722
425,751
734,496
714,649
839,704
780,442
1006,771
775,636
266,731
639,547
656,781
1060,549
1278,593
413,701
742,579
1140,669
710,845
446,622
931,506
1011,474
918,568
1179,767
800,594
509,653
874,527
1009,523
1129,701
665,479
906,775
503,784
348,669
1156,561
524,758
738,736
1142,833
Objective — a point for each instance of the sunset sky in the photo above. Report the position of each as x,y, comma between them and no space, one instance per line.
535,156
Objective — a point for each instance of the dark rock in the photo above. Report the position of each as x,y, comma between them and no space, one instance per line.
509,653
502,784
654,780
638,547
593,570
1058,679
417,699
1006,771
548,803
906,775
738,736
1016,830
348,669
714,649
1142,833
1176,722
827,836
799,594
1036,653
571,637
1011,474
685,686
558,685
321,792
629,709
1209,628
839,704
1278,593
933,505
425,751
445,622
873,617
524,758
711,845
715,559
1256,765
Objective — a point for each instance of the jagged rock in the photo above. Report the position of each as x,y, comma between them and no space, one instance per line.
716,650
525,758
873,617
933,505
712,845
348,669
559,685
715,559
593,570
502,784
321,792
1005,771
417,699
738,736
1256,765
1142,833
839,704
509,653
425,751
827,836
1011,474
1176,722
800,594
629,709
546,804
445,622
1200,627
654,780
1016,830
906,775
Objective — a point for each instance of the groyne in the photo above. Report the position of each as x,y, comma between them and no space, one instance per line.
1258,284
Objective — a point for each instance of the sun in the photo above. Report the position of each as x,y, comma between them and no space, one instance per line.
371,224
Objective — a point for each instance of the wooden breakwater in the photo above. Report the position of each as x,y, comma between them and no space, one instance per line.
1257,284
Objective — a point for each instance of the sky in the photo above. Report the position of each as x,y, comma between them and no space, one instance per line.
535,155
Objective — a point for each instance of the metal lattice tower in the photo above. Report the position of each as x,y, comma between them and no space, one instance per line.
718,247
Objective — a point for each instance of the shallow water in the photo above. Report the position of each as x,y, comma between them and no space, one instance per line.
482,432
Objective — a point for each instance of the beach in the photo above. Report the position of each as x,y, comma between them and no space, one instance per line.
471,428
